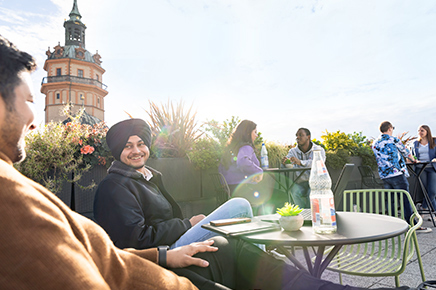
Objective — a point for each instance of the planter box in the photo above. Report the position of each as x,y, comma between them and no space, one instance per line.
64,193
84,199
180,178
192,189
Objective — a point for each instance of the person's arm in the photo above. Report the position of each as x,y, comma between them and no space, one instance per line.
47,246
117,210
288,156
246,162
179,257
403,150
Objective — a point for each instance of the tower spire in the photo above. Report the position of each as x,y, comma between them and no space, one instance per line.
75,14
74,28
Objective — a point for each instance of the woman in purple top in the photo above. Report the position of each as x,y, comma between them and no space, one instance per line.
425,151
239,162
242,171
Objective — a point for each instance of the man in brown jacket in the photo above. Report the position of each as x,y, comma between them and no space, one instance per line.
45,245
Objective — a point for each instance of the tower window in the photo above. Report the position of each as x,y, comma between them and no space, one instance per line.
98,78
58,71
58,96
80,73
98,101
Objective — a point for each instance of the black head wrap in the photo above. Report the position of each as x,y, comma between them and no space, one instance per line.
119,134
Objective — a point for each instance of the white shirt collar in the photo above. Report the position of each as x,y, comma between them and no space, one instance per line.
148,175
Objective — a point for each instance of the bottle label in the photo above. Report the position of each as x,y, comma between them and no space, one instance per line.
323,211
321,169
316,218
264,161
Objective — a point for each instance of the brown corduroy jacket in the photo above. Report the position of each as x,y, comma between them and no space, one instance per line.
45,245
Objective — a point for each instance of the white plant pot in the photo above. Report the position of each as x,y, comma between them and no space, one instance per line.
291,223
289,165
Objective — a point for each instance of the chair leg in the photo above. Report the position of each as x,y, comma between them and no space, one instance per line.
397,281
340,279
418,254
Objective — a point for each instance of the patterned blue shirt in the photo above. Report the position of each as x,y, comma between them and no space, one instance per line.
390,153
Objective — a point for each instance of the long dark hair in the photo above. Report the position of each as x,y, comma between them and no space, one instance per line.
430,139
241,136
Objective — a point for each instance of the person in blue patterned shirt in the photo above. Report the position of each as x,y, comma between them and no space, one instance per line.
390,153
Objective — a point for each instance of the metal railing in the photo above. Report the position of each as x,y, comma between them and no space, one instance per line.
73,79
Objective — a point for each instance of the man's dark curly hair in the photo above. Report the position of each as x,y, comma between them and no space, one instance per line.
12,62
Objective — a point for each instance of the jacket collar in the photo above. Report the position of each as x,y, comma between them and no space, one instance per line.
123,169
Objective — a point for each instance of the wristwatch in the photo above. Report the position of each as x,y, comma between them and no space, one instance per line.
162,255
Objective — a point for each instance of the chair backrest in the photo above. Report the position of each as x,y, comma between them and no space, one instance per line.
341,184
389,255
221,188
368,178
380,201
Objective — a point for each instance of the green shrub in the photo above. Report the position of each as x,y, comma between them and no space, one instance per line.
340,146
276,152
222,132
336,159
205,153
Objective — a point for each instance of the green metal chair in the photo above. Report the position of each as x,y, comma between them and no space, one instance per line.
386,257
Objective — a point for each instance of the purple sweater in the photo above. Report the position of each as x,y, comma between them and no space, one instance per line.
243,167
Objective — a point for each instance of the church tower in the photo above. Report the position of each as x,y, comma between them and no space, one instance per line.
74,75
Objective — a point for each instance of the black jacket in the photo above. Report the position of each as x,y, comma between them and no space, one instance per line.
137,213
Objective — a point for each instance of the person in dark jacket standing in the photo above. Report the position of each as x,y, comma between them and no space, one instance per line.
134,207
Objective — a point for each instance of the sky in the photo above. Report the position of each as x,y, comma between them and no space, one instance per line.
284,64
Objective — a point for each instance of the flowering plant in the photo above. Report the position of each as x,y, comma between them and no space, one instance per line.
57,153
90,143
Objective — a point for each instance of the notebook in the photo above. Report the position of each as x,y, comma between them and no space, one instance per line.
306,213
243,228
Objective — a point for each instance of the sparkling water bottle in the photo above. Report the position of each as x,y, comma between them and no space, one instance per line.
263,157
321,197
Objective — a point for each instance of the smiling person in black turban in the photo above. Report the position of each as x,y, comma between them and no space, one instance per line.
118,135
134,207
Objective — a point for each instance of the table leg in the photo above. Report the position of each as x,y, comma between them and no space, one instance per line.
292,258
328,259
289,187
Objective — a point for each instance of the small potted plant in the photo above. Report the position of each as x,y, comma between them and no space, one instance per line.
288,163
290,218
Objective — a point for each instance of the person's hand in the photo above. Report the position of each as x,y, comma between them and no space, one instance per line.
182,256
196,219
295,160
284,160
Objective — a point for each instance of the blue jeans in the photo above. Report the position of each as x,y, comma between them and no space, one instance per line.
300,194
235,207
400,182
428,178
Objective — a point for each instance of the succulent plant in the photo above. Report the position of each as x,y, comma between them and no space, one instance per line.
289,210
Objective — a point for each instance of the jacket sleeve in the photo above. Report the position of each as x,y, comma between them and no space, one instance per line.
45,245
117,210
401,148
246,162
